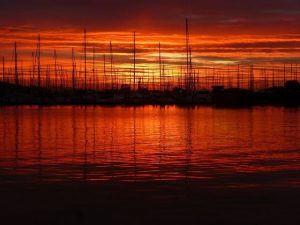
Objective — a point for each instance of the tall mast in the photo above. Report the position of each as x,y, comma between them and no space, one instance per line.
160,67
296,74
238,76
191,71
187,45
104,72
273,76
266,78
111,65
21,77
180,77
163,75
32,81
73,69
39,60
94,73
55,68
85,58
134,55
16,64
284,78
3,68
48,76
252,78
187,54
228,76
61,75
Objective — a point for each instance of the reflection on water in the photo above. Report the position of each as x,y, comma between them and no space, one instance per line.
150,143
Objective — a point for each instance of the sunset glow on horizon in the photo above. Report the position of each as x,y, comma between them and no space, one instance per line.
221,34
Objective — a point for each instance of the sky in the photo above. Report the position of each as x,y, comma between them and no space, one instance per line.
209,17
222,31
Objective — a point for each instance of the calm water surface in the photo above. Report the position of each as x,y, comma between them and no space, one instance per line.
215,146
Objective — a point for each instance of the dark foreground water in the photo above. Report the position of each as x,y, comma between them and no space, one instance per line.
169,165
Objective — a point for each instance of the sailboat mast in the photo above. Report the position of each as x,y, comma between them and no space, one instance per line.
134,60
16,64
3,68
238,76
187,53
252,78
163,75
104,72
39,60
160,67
32,81
284,75
55,68
111,65
73,70
85,59
273,76
296,73
94,72
192,75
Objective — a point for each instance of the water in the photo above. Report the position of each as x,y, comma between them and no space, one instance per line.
235,147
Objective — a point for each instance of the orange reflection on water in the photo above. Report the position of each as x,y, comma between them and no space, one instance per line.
150,143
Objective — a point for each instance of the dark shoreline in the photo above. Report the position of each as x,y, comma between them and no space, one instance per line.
289,96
